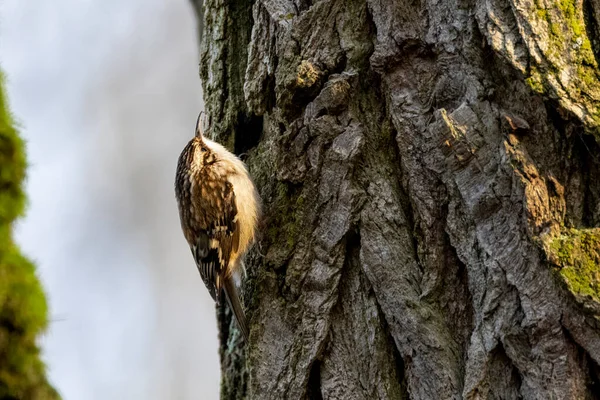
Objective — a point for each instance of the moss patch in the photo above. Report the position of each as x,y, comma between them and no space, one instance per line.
535,81
23,309
577,254
571,65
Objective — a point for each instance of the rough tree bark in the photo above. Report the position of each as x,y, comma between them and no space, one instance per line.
431,177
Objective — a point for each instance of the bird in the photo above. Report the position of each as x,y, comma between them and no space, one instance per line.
219,209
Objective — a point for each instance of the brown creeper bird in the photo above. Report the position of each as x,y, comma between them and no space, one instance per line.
219,208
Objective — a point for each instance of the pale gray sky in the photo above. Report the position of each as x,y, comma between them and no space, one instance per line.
107,93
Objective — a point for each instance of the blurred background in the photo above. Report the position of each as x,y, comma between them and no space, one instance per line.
107,94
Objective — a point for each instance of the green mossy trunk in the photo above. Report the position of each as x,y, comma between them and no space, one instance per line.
23,309
431,178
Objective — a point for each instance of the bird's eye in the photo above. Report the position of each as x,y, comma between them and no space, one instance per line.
203,149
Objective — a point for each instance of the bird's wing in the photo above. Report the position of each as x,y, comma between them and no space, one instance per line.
217,237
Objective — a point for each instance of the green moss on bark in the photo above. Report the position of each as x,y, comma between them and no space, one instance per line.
570,65
23,309
577,254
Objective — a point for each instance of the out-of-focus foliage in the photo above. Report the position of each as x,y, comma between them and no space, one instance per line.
23,308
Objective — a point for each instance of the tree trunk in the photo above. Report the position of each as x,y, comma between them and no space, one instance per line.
431,178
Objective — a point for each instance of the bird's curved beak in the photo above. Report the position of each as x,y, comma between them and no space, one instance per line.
199,133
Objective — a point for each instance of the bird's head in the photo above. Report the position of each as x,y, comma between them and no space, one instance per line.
200,145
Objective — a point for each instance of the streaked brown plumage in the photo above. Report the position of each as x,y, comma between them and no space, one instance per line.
219,208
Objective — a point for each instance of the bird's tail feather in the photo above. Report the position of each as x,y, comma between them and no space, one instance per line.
235,305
